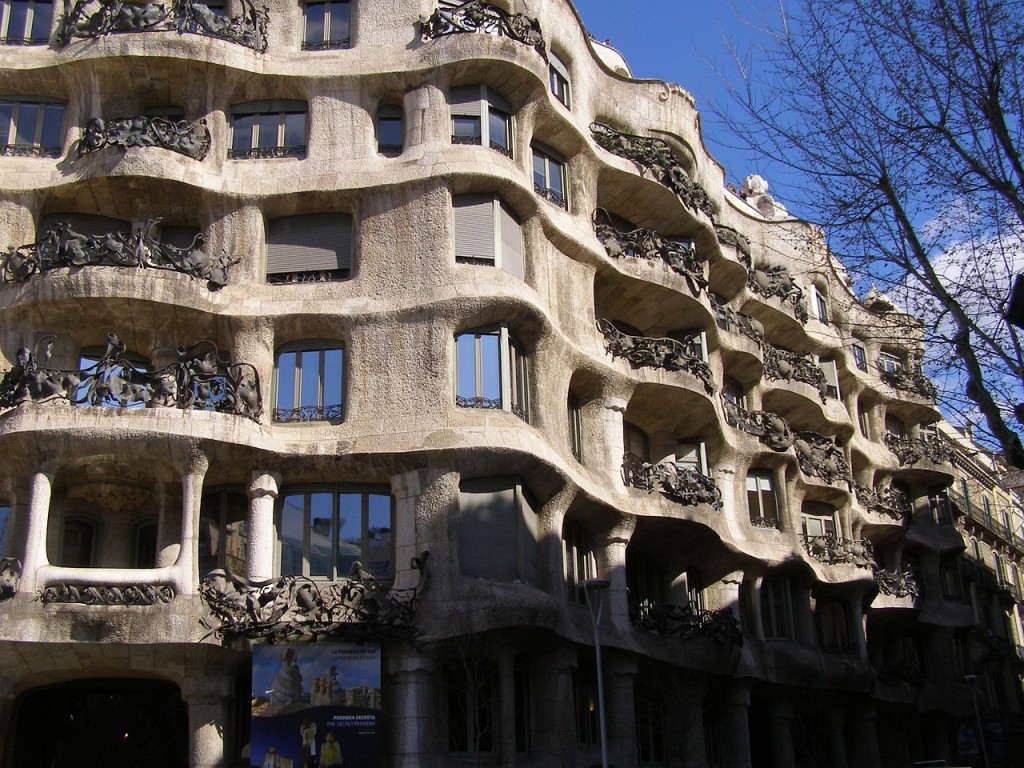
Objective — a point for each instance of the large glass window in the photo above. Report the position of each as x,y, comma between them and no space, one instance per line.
575,425
491,372
835,633
818,520
326,25
889,362
761,502
498,535
25,22
31,128
578,559
223,532
482,117
309,382
487,232
645,584
390,130
585,698
650,723
79,542
268,129
777,609
558,78
549,175
323,530
860,356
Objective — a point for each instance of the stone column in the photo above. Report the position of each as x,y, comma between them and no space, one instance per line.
614,439
864,748
191,496
611,564
168,531
620,710
506,731
35,534
415,735
735,727
837,737
555,711
780,713
209,718
684,723
259,554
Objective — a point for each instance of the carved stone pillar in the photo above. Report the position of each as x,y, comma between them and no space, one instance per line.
209,718
612,566
684,723
263,491
191,496
406,490
620,710
613,436
735,728
780,714
837,737
416,734
168,531
39,492
554,716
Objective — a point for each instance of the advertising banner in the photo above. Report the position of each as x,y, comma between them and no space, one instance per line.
316,705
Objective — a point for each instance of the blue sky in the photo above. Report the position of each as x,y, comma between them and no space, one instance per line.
684,41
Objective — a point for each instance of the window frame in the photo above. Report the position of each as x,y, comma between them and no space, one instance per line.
513,377
311,264
757,495
329,42
835,626
29,22
575,413
829,521
390,113
558,80
890,362
11,146
508,496
830,369
646,584
819,304
305,412
336,491
579,560
860,356
549,160
486,109
779,590
223,497
95,526
257,149
138,528
474,217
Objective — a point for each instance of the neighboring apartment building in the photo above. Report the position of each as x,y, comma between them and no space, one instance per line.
398,323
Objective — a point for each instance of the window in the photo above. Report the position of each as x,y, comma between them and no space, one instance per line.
777,609
895,429
952,586
818,520
650,723
636,441
549,175
835,633
860,357
313,247
309,382
472,706
497,530
487,232
481,117
491,372
819,303
79,542
578,560
144,547
31,128
828,367
558,78
585,696
575,426
390,130
864,419
223,532
692,456
25,22
986,504
889,363
5,519
695,590
326,25
322,531
732,392
761,502
938,501
645,585
268,129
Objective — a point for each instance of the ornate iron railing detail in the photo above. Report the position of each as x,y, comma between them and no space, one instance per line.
319,276
790,366
770,428
327,45
832,550
655,156
819,456
189,138
92,19
91,594
200,379
913,381
60,246
10,577
551,195
776,281
902,671
359,607
732,321
28,150
766,523
885,500
309,413
493,404
903,583
739,241
262,153
681,257
644,352
678,481
681,621
909,450
457,16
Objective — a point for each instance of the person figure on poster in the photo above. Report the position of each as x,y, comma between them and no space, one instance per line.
334,686
330,753
288,680
308,731
270,761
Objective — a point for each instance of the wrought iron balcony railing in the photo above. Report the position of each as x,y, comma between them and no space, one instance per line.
678,481
781,364
832,550
885,500
679,255
820,456
646,352
913,381
770,428
736,322
909,451
903,583
453,17
776,281
681,621
187,137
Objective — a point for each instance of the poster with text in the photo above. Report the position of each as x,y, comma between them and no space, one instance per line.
315,705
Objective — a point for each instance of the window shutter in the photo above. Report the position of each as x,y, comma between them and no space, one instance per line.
84,224
511,242
498,102
474,227
488,529
828,367
310,243
558,66
465,100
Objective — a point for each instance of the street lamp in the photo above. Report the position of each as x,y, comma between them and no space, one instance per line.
594,590
971,680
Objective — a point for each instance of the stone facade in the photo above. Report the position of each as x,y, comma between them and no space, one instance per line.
448,262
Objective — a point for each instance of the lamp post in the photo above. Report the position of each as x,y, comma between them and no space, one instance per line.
594,590
971,680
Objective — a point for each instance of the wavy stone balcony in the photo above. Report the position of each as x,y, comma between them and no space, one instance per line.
832,550
668,354
776,282
677,481
453,17
200,379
